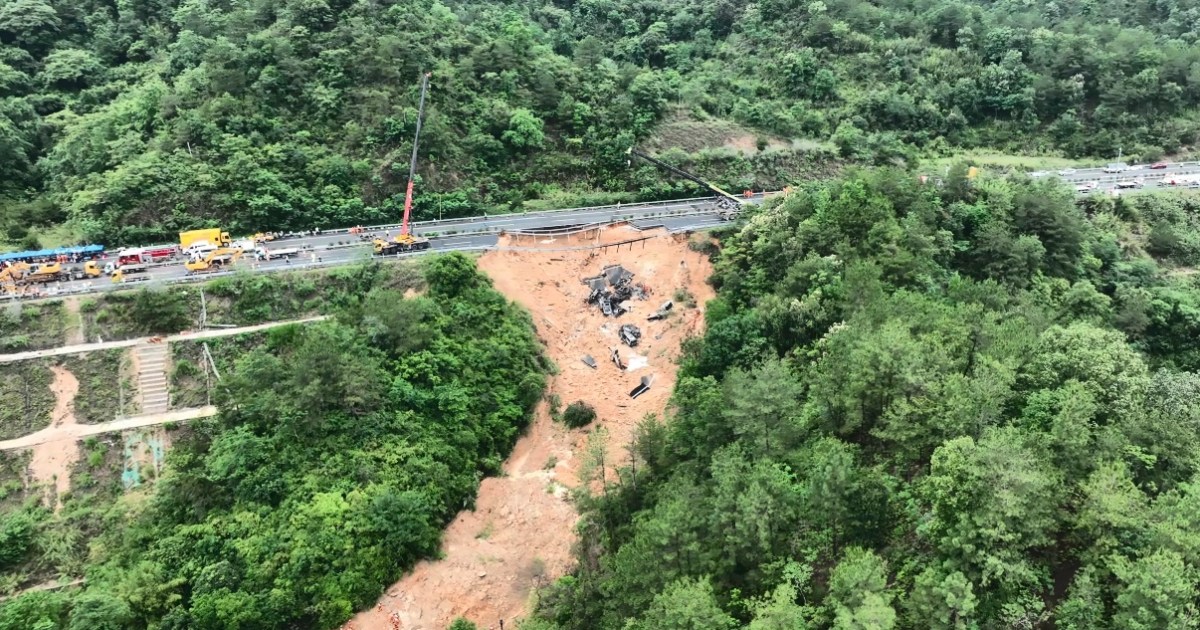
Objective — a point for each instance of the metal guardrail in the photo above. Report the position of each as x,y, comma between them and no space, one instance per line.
636,206
302,266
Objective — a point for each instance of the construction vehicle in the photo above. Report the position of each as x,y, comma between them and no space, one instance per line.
11,276
194,239
405,240
46,273
214,260
90,269
263,237
118,276
728,205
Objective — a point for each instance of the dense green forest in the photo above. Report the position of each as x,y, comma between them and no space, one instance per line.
137,118
918,407
341,450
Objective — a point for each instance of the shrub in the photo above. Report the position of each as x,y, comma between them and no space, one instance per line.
578,414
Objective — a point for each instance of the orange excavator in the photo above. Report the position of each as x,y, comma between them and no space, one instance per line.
406,241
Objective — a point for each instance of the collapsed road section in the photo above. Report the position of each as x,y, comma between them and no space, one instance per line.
521,531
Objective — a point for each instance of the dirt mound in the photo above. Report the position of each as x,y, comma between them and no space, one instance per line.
521,532
52,461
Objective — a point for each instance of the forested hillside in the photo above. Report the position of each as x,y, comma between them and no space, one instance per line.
139,118
341,451
965,407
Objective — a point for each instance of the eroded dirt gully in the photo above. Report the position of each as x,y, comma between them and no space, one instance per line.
51,461
522,529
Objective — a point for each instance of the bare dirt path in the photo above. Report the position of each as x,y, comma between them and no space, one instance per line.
521,532
125,343
51,463
74,334
53,436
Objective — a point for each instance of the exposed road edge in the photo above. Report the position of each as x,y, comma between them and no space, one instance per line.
125,343
76,431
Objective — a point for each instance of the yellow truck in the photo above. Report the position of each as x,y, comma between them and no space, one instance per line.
210,238
213,261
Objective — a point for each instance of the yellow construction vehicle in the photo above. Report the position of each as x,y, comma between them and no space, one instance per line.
90,269
46,273
406,241
11,276
403,242
214,260
264,237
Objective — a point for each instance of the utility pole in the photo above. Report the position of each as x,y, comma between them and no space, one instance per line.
412,164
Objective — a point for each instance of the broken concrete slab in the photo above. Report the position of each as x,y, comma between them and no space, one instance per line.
616,274
661,313
642,388
589,361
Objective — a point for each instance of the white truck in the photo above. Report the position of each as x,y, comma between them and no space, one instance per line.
263,253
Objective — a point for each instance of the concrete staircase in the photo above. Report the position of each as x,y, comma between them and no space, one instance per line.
152,376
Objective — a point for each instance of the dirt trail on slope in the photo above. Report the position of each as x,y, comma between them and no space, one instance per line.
522,530
52,461
74,335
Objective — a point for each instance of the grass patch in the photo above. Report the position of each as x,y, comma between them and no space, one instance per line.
13,465
107,388
26,401
32,326
191,380
1009,162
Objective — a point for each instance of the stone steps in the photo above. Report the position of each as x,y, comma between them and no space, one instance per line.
153,388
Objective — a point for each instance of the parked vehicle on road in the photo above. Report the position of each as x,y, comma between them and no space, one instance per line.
1066,171
1116,167
1158,165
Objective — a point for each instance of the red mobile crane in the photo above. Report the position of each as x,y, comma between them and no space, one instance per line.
406,241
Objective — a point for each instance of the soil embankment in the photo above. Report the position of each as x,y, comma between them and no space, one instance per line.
522,529
51,462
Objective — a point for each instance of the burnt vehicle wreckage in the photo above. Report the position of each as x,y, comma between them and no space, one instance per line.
611,292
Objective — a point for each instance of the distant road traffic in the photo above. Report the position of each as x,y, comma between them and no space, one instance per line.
1150,178
337,247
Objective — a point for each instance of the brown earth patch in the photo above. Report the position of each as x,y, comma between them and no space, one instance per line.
52,461
522,529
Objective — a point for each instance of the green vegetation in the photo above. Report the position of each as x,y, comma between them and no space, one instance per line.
192,380
32,326
240,300
128,314
341,451
139,120
913,407
107,387
50,543
578,414
26,402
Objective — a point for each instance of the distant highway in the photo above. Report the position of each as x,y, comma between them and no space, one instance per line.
339,247
1151,179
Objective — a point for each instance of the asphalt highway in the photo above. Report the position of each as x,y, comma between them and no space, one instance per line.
338,247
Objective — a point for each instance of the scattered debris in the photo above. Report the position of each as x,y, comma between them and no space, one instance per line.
642,388
662,311
589,361
612,289
630,335
616,358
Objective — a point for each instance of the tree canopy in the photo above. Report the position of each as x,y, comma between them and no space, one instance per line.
138,119
917,407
